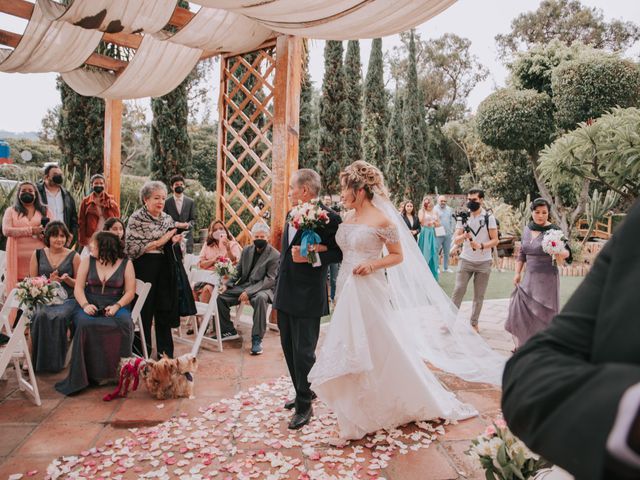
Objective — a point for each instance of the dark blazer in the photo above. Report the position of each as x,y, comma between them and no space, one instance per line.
68,204
301,289
260,278
562,388
187,214
412,226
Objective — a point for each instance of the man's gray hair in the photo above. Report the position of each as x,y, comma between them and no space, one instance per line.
260,227
310,178
149,187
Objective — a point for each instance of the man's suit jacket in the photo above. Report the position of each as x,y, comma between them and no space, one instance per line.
260,278
301,290
187,214
561,390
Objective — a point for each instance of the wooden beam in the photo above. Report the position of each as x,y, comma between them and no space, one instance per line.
222,132
129,40
181,16
17,8
112,146
9,39
286,124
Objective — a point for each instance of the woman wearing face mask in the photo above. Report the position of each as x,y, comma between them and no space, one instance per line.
23,224
220,243
536,300
95,209
427,241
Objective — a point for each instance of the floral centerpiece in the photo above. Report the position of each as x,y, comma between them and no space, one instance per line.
554,243
503,456
38,291
308,217
224,267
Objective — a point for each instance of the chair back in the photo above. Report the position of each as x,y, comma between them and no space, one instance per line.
206,276
10,303
142,291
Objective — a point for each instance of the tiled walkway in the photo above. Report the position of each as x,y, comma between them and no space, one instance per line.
31,437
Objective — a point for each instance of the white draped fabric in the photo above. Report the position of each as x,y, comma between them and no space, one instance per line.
61,38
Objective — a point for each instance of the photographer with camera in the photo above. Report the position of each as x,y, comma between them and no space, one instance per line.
477,232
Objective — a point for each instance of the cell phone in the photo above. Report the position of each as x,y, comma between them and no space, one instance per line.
101,312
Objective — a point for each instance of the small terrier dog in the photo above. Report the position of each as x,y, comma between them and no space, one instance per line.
170,377
166,378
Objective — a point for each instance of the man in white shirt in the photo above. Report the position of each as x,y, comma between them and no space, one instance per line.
478,237
58,200
445,214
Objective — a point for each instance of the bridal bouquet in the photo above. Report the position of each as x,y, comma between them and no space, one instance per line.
223,267
37,291
553,243
503,456
308,217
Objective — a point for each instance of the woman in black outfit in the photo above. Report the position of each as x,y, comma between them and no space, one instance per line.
153,243
411,219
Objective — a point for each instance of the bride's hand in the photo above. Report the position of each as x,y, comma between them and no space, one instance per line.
364,269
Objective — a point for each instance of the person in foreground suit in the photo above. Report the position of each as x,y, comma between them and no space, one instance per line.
182,209
252,283
572,392
301,294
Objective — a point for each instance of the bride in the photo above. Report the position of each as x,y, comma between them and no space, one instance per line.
391,316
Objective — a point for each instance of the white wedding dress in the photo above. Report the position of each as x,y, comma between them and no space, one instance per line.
368,370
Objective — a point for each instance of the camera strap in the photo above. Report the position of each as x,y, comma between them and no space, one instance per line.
486,224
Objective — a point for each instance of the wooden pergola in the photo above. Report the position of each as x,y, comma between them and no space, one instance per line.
272,155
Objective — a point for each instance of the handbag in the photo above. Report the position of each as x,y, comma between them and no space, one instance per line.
440,231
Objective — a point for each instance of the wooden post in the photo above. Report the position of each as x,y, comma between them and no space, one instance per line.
222,115
112,146
286,125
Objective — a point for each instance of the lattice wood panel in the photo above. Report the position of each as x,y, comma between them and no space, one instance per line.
245,148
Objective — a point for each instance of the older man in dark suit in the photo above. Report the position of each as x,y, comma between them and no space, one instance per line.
572,392
182,209
253,283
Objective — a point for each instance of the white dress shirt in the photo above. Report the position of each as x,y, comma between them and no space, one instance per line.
179,201
55,204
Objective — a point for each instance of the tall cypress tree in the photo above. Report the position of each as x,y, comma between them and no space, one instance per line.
331,150
353,103
170,143
308,139
413,128
80,131
375,108
395,167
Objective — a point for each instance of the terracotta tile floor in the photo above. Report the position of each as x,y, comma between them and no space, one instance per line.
31,437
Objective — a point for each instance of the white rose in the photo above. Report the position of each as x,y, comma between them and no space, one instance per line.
494,445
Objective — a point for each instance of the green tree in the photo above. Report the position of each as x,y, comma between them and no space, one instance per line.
170,144
204,141
375,118
590,85
568,21
395,168
80,131
413,123
136,151
353,102
331,146
308,140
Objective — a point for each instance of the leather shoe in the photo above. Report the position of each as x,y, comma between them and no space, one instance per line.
299,420
291,404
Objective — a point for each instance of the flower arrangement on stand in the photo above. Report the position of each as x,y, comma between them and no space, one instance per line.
554,243
503,456
224,268
308,217
38,291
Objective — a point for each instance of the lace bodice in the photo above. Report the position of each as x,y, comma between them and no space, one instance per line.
359,243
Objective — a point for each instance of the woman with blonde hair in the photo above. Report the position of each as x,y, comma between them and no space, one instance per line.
391,315
427,240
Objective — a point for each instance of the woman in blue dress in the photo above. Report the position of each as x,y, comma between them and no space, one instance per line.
427,241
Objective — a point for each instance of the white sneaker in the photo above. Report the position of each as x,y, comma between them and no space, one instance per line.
448,270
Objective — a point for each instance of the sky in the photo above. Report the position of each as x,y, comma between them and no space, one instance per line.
24,99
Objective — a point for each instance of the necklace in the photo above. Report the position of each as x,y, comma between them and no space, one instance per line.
56,259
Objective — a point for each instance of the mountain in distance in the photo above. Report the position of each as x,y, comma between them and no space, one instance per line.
4,135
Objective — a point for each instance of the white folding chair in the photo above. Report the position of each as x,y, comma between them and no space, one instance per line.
16,348
270,325
142,291
190,263
3,264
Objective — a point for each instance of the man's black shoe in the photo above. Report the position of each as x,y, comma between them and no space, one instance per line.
290,405
299,420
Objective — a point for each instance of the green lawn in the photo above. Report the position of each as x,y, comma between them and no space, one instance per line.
501,285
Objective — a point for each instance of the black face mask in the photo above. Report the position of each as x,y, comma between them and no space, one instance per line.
98,189
260,243
178,189
57,179
473,205
27,198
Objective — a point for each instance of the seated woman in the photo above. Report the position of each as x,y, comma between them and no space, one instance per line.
105,286
113,225
50,323
220,243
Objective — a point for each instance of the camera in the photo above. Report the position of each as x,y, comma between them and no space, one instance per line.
463,217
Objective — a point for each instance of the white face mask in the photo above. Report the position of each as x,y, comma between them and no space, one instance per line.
219,234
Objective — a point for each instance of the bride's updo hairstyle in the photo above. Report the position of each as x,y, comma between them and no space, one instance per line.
363,175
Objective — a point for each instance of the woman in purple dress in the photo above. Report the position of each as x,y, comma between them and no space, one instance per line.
536,299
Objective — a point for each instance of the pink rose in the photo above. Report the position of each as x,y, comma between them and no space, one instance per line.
490,431
500,423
